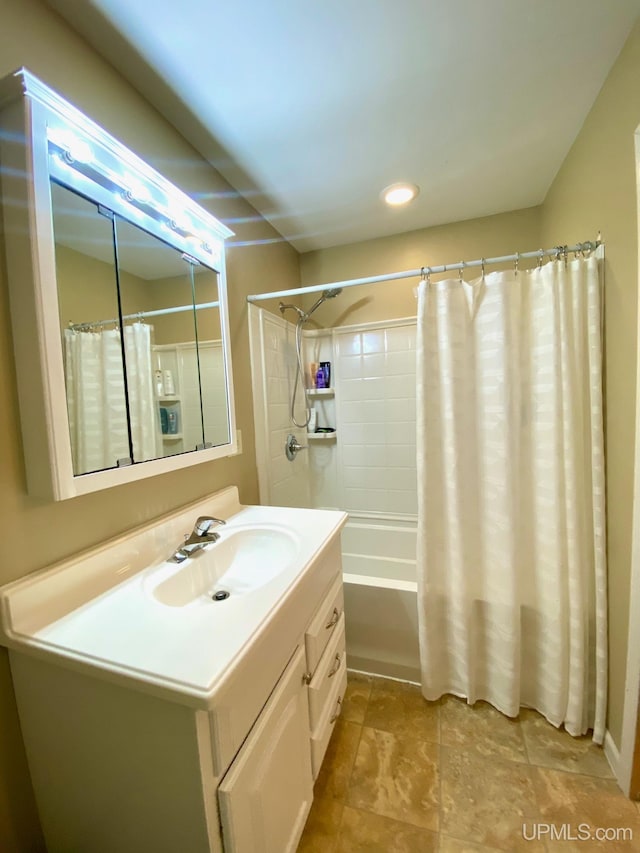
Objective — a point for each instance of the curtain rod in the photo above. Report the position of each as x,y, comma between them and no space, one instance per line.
81,327
558,251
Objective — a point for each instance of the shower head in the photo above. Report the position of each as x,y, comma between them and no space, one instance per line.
303,316
326,294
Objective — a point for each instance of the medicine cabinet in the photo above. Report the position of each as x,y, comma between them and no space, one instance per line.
118,304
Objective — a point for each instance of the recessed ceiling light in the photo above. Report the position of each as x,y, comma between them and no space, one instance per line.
398,194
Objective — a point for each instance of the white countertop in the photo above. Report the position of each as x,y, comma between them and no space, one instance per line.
84,613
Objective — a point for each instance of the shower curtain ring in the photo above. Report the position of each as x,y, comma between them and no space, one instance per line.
461,270
482,267
540,257
515,263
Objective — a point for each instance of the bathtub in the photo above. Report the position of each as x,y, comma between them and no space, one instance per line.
380,597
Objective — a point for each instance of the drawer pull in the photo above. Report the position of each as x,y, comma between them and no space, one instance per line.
336,713
336,666
334,619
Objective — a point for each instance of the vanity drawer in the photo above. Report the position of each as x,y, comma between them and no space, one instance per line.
330,669
323,624
321,734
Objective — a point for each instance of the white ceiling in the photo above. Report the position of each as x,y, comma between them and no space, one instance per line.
310,109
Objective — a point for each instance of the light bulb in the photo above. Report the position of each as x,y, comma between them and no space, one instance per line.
398,194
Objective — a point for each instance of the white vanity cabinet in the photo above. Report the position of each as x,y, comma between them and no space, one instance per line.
267,792
196,728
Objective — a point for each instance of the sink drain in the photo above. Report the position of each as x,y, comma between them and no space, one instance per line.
220,595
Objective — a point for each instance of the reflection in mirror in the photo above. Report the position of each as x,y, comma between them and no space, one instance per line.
88,293
211,356
145,265
108,270
164,291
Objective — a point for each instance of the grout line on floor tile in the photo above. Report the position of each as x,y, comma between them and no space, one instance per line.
355,755
406,823
524,741
339,827
353,763
575,772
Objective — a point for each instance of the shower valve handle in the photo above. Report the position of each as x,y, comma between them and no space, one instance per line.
292,447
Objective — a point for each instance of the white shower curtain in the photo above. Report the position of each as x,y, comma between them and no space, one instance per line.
145,414
96,401
511,524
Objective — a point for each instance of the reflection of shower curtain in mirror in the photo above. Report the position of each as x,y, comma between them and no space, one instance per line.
95,397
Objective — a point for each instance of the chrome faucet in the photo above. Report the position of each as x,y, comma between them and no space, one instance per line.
200,536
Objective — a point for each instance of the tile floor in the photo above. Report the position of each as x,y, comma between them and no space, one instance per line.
403,775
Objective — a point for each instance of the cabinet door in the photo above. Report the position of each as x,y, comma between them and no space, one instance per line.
267,792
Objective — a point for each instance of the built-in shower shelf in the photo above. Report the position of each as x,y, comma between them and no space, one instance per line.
320,392
172,436
321,436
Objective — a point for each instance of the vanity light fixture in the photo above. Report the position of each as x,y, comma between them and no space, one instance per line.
398,194
72,148
60,172
82,161
136,191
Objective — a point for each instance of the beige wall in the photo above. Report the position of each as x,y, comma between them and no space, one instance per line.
37,533
177,328
596,190
87,293
87,288
517,231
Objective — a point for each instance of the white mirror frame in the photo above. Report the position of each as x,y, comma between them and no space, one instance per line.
30,114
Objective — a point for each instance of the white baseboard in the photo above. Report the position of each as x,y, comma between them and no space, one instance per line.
612,754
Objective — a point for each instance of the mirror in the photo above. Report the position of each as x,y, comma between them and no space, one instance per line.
169,365
118,298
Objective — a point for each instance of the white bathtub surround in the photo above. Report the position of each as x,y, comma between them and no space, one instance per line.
273,362
511,539
376,402
367,468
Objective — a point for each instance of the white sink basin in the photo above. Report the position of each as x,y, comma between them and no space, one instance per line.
242,560
124,612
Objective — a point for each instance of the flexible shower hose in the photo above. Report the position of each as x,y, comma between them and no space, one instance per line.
299,378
